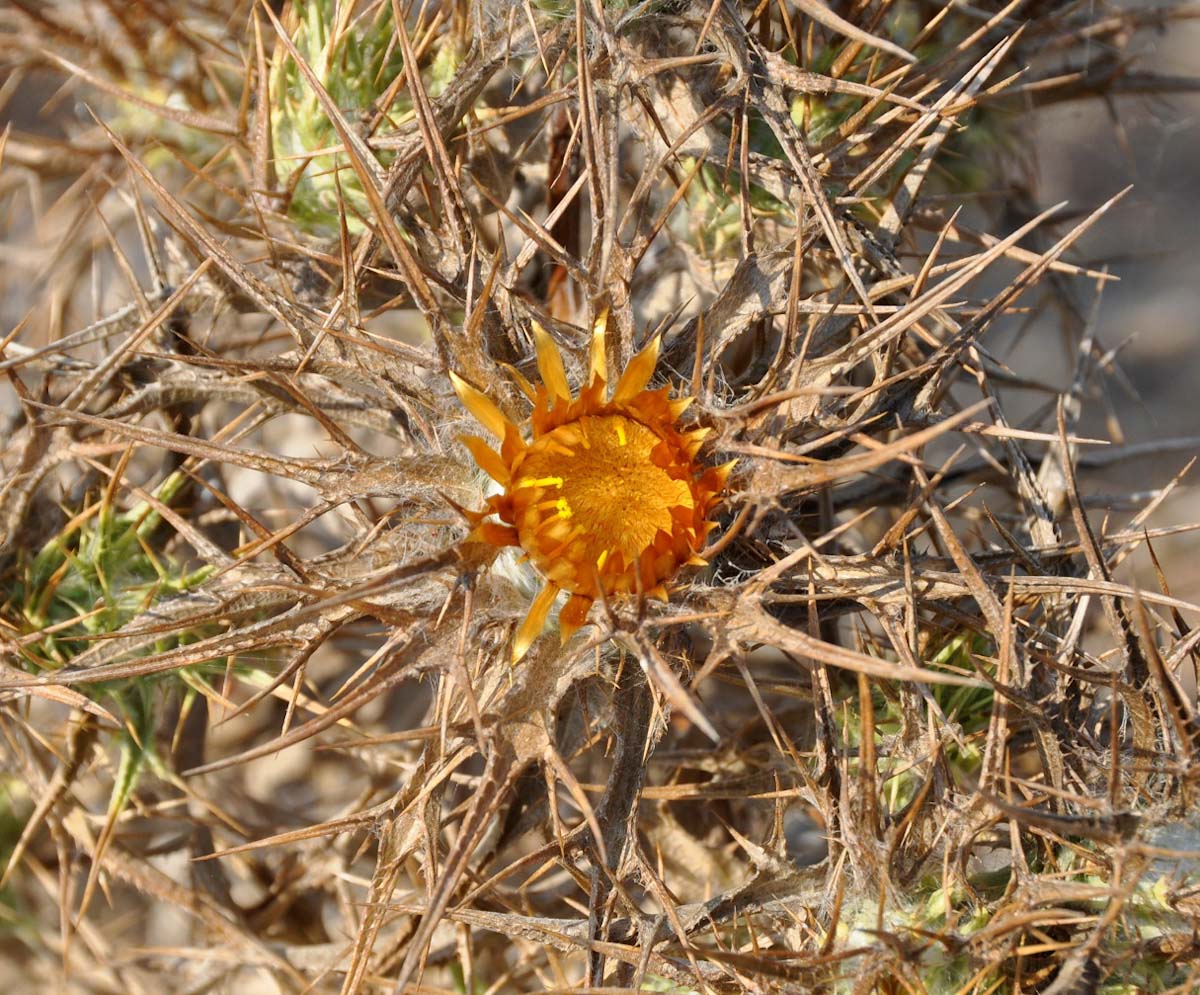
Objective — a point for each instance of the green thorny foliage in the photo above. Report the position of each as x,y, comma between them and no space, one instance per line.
954,915
359,65
353,56
973,157
98,573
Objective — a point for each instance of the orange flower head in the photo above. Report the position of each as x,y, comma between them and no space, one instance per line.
605,496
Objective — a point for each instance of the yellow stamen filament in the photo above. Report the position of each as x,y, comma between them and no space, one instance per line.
539,482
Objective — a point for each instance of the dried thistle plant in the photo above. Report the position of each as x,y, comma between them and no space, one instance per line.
269,632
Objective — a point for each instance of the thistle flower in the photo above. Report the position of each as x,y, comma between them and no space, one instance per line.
606,496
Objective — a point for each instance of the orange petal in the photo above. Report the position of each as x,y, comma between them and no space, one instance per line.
496,535
597,362
680,405
474,517
693,440
725,469
481,406
534,622
512,451
573,615
518,378
488,459
646,567
638,373
550,364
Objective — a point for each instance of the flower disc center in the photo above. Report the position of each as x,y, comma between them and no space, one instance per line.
592,489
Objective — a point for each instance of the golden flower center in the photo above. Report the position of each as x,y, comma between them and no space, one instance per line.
591,497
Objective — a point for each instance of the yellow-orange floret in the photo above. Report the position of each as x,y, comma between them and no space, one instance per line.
606,496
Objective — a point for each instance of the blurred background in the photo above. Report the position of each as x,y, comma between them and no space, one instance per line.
1151,318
